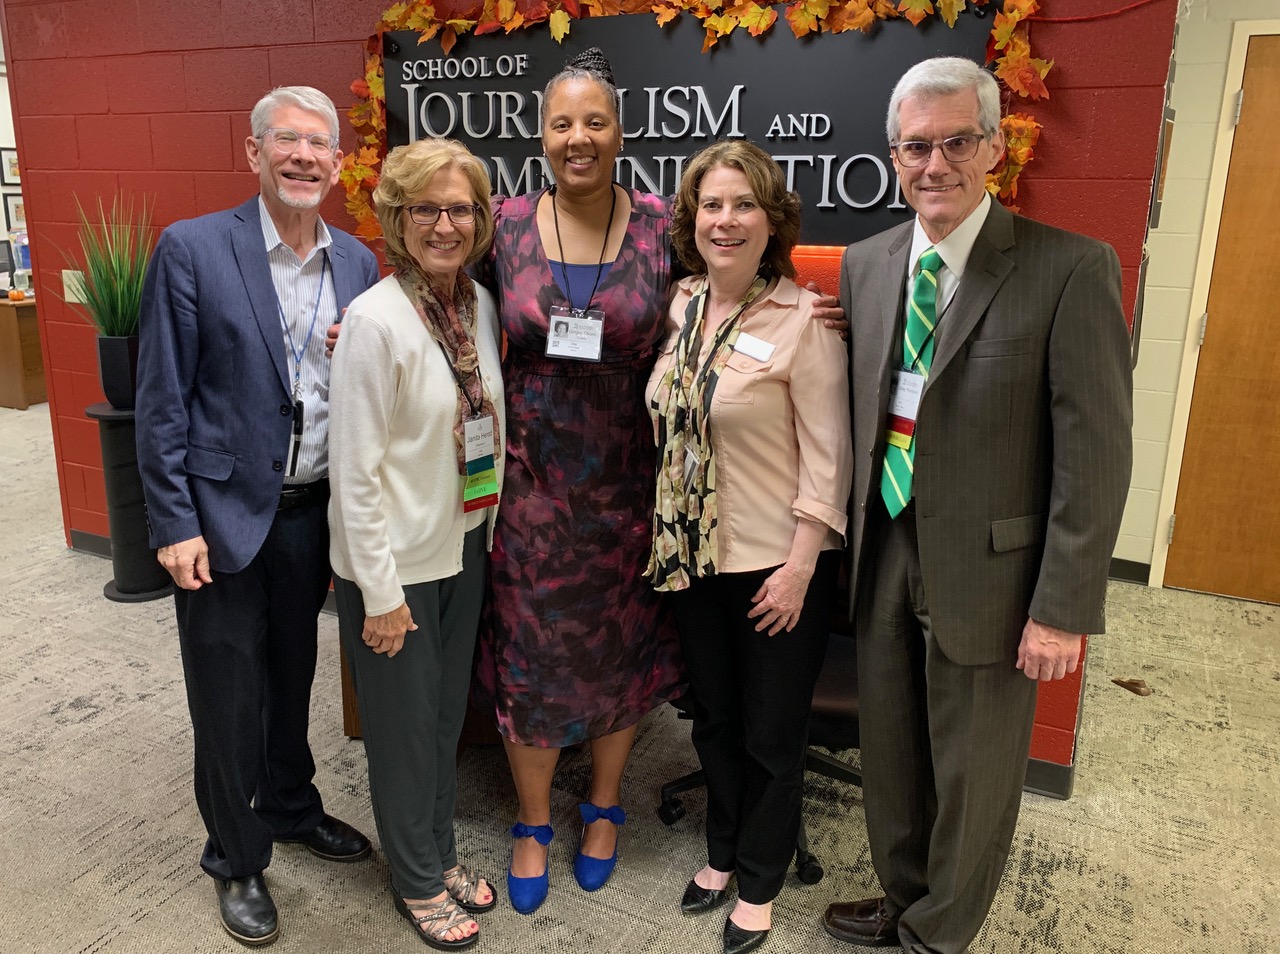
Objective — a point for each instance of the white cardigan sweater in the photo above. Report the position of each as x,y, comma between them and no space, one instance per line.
395,517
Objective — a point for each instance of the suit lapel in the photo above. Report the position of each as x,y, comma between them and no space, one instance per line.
250,251
343,289
986,271
892,290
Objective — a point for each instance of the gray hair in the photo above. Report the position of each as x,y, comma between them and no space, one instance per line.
304,97
946,76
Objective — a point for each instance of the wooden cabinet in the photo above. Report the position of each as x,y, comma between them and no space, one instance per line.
21,365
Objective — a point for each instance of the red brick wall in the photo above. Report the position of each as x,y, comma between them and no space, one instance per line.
152,97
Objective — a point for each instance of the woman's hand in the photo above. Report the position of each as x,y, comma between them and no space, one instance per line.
385,633
781,598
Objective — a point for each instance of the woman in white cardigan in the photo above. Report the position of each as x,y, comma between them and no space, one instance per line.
415,463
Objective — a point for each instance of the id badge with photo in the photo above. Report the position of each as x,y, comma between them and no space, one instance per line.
575,333
481,487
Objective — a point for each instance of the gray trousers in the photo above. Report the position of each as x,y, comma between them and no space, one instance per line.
944,754
411,712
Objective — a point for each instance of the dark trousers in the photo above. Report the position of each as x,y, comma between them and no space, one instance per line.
248,643
751,698
944,753
411,711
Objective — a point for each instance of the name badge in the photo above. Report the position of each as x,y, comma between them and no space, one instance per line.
753,347
904,404
481,487
575,333
295,441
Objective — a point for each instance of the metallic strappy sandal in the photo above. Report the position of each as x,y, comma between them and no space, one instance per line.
440,919
463,885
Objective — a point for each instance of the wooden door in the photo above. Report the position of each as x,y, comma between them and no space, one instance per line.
1227,528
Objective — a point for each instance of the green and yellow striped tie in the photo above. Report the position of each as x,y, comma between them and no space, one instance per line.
917,355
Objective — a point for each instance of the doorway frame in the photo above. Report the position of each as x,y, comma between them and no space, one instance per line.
1243,31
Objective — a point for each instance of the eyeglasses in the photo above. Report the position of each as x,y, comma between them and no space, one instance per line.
430,214
286,142
917,152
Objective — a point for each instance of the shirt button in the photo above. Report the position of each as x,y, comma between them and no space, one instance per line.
286,410
277,465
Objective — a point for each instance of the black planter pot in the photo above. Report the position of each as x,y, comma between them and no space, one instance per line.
118,370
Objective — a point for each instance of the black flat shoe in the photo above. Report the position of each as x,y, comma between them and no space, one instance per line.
333,840
739,940
700,900
247,911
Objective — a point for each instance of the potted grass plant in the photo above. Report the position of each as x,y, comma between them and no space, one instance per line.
116,247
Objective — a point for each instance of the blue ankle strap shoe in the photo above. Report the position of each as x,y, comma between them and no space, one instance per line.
592,873
527,894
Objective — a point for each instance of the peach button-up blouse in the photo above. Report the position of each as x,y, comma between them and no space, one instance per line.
779,428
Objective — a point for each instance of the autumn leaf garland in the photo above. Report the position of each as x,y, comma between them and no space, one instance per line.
1008,47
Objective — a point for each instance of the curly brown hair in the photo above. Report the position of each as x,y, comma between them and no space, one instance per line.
768,185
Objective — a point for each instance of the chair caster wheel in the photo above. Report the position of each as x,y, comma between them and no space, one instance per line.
671,812
808,868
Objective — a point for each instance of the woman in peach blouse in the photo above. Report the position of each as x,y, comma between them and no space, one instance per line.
751,414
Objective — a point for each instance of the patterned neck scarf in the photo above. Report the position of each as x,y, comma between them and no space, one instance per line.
455,331
685,519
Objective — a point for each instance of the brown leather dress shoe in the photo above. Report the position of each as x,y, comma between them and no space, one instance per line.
868,922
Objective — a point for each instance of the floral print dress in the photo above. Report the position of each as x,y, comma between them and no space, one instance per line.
575,643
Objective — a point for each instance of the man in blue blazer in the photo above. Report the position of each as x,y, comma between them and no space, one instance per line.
991,389
232,424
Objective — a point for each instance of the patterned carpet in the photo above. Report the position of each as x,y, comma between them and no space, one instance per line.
1163,847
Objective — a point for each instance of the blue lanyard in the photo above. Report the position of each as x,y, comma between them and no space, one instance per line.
299,352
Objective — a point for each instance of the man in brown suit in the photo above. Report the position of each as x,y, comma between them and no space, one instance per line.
987,496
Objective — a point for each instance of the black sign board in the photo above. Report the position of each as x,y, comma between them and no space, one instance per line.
818,104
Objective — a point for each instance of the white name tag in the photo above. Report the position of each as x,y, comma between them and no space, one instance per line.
477,434
753,347
575,334
904,399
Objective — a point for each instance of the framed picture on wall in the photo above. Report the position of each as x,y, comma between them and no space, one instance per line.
10,175
15,213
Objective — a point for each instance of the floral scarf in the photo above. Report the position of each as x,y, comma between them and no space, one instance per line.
456,335
684,515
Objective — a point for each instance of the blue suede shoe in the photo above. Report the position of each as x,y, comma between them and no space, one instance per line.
592,873
527,894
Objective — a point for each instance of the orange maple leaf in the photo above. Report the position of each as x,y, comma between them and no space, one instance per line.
853,15
915,10
665,14
516,22
803,17
756,19
448,37
1020,9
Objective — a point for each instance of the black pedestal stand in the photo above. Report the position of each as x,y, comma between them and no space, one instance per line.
138,577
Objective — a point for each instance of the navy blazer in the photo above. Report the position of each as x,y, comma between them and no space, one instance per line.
214,406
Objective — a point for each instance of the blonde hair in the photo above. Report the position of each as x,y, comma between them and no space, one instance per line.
409,169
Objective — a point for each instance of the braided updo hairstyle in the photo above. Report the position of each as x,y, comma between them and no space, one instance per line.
589,64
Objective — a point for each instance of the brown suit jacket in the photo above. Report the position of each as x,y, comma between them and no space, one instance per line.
1023,438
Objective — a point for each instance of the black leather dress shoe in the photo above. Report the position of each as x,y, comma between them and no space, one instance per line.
869,922
700,900
247,911
739,940
333,840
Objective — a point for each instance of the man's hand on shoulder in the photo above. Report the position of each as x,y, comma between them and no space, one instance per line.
187,562
828,311
1047,653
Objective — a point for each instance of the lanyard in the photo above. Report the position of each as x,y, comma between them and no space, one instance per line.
688,348
299,352
604,247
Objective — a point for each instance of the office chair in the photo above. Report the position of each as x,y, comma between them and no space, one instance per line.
833,725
